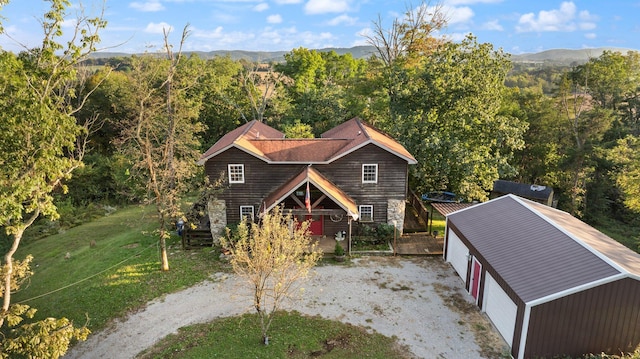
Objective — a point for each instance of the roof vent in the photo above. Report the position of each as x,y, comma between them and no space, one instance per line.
535,187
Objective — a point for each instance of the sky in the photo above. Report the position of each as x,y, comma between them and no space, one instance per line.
516,26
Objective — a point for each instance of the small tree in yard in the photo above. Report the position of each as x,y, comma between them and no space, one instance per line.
274,257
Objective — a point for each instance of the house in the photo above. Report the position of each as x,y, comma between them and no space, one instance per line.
551,284
534,192
353,172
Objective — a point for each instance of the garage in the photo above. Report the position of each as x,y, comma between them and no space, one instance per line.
550,283
457,254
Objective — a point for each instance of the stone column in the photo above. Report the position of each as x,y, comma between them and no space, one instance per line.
217,211
395,212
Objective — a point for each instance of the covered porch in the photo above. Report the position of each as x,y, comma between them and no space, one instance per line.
311,196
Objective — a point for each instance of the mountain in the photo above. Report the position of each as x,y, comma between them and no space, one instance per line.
565,56
556,57
357,52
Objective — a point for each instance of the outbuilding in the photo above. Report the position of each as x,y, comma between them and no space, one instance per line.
551,284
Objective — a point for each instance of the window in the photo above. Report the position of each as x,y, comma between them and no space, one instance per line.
246,212
366,213
236,173
370,173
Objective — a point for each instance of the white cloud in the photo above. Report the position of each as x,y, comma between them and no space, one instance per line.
458,15
261,7
149,6
326,6
224,18
590,36
587,26
343,19
553,20
284,2
158,28
492,26
565,18
219,38
274,19
457,36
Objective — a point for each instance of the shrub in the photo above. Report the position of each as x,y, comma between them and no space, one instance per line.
338,250
385,231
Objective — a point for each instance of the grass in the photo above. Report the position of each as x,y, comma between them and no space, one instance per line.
438,222
119,274
627,234
292,335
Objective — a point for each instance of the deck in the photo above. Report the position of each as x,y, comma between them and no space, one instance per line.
410,244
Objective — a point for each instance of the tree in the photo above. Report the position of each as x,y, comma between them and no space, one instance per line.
259,88
626,155
402,47
450,120
583,128
320,86
273,256
37,153
223,102
298,130
161,139
538,161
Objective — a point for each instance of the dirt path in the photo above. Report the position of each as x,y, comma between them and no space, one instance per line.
393,296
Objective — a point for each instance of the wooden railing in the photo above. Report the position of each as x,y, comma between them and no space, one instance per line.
417,203
195,238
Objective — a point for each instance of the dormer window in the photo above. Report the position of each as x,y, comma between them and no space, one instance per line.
370,173
236,173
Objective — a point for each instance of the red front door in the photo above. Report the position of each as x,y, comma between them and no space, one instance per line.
317,222
475,279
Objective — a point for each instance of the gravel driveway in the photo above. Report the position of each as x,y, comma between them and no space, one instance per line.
419,300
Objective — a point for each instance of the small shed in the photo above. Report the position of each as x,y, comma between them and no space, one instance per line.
550,283
534,192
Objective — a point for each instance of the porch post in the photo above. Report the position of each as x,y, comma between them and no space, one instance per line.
349,220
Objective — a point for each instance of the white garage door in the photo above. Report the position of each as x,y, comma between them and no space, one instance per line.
500,309
457,254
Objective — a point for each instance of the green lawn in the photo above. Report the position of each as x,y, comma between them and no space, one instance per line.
119,274
122,272
292,335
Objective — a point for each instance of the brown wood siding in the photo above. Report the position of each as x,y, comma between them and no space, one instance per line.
346,173
602,319
262,178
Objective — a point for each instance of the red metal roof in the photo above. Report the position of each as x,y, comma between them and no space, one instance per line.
270,145
320,182
447,208
540,251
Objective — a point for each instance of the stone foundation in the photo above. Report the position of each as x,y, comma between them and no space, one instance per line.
395,213
217,211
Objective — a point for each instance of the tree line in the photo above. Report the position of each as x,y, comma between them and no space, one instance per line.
132,130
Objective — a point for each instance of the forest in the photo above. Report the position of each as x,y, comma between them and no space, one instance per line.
79,139
465,111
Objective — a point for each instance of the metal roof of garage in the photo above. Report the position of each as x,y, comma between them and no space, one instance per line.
538,250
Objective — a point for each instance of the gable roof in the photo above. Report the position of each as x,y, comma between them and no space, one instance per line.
271,146
540,251
320,182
